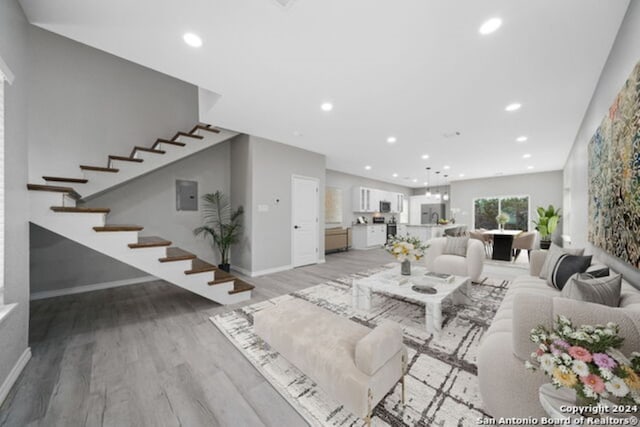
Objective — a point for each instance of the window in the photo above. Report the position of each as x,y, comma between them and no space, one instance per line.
485,211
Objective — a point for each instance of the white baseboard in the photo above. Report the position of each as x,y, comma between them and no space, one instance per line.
257,273
89,288
14,374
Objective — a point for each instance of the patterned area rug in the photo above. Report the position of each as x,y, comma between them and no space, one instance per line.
441,385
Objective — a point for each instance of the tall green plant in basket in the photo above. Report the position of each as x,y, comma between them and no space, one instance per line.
546,224
222,225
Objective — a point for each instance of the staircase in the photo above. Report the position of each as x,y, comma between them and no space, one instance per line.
53,205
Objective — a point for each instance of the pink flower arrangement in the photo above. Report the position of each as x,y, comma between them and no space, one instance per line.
587,360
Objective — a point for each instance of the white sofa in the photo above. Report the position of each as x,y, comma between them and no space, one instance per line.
470,266
506,387
353,364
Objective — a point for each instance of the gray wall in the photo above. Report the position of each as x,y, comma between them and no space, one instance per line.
58,263
241,193
543,189
273,165
14,51
623,57
346,183
150,200
85,104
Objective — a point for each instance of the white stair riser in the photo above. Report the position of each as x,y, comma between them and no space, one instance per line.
44,200
77,219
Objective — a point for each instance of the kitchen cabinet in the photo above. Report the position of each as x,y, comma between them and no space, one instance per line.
369,236
368,200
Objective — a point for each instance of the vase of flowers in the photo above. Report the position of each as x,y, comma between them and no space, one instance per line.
502,219
405,249
587,360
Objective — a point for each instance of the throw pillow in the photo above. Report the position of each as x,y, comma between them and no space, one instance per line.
553,255
456,246
598,270
598,290
567,266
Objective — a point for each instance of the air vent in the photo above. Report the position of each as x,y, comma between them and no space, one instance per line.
285,3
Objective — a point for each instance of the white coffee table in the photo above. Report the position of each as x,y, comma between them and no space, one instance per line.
392,283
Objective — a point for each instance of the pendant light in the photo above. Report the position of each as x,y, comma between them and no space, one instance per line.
428,192
446,194
437,188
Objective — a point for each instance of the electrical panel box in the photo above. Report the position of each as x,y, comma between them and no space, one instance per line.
186,195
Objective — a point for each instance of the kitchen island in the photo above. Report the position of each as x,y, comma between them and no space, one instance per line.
426,232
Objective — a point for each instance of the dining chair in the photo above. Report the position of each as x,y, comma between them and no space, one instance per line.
524,240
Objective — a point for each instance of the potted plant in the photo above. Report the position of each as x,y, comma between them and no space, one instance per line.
546,225
221,224
502,219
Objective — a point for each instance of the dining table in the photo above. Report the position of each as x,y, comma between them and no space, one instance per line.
502,243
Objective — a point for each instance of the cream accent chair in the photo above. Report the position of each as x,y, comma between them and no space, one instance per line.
525,241
470,265
353,364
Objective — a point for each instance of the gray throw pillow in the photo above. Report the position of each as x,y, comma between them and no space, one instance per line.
567,266
456,246
555,252
598,290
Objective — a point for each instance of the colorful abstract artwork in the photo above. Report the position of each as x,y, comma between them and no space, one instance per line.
614,176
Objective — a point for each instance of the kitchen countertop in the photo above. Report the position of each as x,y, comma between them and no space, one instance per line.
445,226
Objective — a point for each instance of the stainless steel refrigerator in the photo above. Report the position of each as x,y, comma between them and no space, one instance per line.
430,213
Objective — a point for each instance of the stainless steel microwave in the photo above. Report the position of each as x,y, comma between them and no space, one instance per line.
385,207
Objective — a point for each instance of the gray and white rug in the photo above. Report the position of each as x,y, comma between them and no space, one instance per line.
441,385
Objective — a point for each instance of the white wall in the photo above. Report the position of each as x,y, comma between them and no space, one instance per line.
346,183
543,189
85,104
241,195
623,57
14,36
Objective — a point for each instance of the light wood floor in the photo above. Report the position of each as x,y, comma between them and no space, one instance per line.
147,355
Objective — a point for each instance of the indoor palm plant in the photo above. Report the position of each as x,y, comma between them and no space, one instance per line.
222,224
546,224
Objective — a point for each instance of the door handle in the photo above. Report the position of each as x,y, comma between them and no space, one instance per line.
296,227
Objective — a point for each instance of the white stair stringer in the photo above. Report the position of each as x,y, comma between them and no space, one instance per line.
99,182
79,228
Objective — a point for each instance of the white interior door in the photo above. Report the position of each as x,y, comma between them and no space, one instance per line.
305,216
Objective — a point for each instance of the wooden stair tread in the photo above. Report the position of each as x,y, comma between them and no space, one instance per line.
240,286
188,135
125,159
98,169
166,141
148,150
79,209
200,266
61,179
54,188
205,127
149,242
114,227
177,254
222,277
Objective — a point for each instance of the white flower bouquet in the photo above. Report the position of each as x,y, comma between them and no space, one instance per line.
406,248
587,359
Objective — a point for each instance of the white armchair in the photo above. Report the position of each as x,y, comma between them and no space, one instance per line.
470,265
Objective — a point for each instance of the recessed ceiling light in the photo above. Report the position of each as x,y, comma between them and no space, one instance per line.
526,156
489,26
326,106
395,175
529,167
425,156
446,167
521,138
415,179
391,140
368,167
192,40
513,107
461,175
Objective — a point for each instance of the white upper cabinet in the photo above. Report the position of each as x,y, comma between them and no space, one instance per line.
368,200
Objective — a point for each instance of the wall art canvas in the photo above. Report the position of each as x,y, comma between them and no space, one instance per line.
614,176
333,205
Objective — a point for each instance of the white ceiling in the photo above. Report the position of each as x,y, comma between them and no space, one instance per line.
414,69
